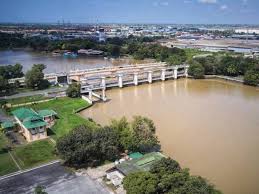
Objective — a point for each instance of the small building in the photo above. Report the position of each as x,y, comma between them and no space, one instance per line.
143,163
48,116
7,125
137,163
32,125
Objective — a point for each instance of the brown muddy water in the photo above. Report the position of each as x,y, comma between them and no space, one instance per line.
209,126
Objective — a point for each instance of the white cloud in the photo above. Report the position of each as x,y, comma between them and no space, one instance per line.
208,1
223,7
160,3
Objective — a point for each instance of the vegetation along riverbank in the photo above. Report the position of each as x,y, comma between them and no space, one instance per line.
84,143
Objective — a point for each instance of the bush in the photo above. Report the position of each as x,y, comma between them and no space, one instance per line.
251,78
196,70
74,90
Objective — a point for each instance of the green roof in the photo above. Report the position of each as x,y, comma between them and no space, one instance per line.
29,124
143,163
29,118
23,113
135,155
7,124
47,112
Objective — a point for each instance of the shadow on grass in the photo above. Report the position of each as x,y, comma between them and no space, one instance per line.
50,132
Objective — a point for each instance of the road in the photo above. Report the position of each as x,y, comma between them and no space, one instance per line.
37,92
55,178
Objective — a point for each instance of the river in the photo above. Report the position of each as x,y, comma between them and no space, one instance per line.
56,64
209,126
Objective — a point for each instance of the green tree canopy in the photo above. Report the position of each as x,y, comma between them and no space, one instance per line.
74,90
85,146
196,70
34,78
140,183
144,134
251,78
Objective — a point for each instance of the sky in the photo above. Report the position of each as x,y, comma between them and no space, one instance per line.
131,11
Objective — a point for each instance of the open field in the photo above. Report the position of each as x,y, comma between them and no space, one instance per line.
34,154
7,165
26,99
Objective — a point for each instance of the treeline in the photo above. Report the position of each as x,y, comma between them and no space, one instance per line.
86,146
167,177
138,47
226,65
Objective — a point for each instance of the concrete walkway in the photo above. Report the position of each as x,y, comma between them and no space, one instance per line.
38,92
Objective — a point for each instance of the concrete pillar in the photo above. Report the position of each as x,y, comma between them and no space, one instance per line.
163,74
175,72
120,82
68,80
56,80
135,79
90,95
103,95
103,82
149,76
186,71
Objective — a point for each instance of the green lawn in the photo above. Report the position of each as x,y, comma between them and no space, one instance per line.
7,165
39,152
34,154
65,108
26,99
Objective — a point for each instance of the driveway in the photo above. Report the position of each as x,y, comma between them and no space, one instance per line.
55,178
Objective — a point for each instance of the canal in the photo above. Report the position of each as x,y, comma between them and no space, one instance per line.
209,126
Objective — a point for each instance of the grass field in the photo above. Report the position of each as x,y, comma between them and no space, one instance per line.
25,99
65,108
7,165
34,154
39,152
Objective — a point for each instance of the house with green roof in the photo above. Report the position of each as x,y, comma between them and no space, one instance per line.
33,125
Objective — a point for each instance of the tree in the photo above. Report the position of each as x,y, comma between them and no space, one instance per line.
165,166
85,146
122,128
175,60
196,70
251,78
34,78
144,136
140,183
196,185
74,90
40,190
17,71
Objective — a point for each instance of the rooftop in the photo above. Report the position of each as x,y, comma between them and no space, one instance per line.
23,113
143,163
7,124
46,112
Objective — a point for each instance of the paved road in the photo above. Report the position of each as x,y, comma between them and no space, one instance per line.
55,178
38,92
